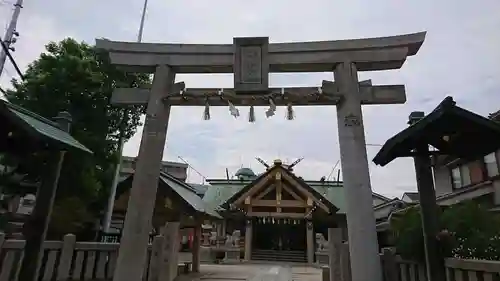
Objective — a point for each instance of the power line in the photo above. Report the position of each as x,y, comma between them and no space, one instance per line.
196,171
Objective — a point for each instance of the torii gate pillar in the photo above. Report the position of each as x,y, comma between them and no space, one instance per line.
134,241
363,244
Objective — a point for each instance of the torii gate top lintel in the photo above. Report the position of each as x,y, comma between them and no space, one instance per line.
369,54
251,60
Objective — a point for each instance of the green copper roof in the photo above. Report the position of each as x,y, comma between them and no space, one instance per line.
217,194
40,126
333,193
221,190
245,172
189,195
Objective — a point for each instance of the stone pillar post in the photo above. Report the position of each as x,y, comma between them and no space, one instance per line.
137,225
170,251
219,229
310,242
334,248
196,247
363,244
248,239
224,226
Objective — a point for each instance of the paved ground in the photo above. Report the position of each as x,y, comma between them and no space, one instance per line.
254,272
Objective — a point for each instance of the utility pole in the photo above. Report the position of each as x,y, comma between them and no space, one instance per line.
121,141
11,34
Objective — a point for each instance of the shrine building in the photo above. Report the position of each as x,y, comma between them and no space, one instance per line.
279,215
275,215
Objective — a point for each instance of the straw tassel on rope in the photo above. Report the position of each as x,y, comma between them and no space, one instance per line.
251,114
289,112
233,110
272,108
206,112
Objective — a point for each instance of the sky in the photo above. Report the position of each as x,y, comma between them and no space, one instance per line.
459,58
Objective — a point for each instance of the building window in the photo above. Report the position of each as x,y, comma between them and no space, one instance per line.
460,176
491,164
476,172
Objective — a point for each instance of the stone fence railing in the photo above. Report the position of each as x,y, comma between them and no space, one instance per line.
71,260
397,269
456,269
64,260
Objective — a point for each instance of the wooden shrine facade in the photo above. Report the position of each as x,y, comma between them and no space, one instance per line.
276,206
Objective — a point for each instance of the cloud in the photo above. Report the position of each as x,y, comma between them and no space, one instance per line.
459,58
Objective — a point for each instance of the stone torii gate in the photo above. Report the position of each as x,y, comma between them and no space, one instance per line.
251,60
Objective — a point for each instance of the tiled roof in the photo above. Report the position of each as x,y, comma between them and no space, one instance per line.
39,126
466,132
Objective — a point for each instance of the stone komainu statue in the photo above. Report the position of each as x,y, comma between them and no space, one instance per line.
236,238
213,238
321,242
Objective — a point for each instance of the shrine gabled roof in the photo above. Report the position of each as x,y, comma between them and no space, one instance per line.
450,129
235,194
219,191
187,193
39,127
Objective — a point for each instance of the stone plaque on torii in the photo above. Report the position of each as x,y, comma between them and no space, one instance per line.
251,60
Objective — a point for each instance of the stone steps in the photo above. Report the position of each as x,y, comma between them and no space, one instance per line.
284,256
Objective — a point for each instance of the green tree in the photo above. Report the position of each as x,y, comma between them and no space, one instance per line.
78,78
407,232
469,230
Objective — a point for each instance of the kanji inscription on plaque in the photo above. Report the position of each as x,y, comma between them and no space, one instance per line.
251,64
352,120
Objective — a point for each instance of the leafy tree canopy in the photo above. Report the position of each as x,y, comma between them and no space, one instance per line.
75,77
469,230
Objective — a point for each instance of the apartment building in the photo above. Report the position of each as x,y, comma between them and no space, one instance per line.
457,180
